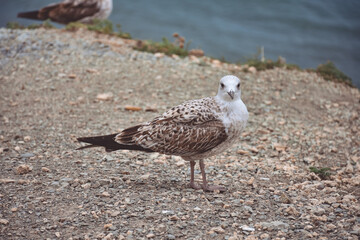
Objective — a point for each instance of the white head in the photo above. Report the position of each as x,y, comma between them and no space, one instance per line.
229,88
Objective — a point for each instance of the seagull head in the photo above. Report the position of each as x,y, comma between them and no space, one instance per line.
229,88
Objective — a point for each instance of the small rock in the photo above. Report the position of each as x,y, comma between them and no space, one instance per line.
174,218
27,155
170,236
252,69
217,229
105,96
107,226
279,147
243,152
17,148
265,236
115,213
145,176
161,228
159,55
197,209
86,185
167,212
247,228
330,227
72,76
275,225
105,194
27,138
4,221
57,234
14,209
150,235
132,108
23,169
45,169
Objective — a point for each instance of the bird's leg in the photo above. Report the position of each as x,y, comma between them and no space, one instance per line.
192,176
205,185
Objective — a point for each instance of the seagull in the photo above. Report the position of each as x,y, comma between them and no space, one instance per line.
194,130
68,11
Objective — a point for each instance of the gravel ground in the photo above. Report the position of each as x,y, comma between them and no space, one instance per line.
58,85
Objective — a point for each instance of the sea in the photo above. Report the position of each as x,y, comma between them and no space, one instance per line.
304,32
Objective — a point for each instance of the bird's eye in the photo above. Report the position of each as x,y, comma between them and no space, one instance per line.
238,86
222,85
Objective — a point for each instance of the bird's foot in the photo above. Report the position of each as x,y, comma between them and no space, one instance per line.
207,187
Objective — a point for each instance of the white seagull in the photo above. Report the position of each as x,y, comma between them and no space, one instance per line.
194,130
71,11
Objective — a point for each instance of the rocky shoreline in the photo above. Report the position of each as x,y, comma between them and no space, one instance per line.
58,85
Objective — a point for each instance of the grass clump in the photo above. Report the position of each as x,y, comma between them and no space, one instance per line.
330,73
323,173
15,25
270,64
177,47
100,26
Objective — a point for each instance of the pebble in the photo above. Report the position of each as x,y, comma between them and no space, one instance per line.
247,228
218,229
4,221
27,155
23,169
197,209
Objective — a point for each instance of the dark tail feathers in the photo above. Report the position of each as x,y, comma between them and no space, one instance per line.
30,15
108,142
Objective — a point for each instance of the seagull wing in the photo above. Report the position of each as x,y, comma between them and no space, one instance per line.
186,130
70,11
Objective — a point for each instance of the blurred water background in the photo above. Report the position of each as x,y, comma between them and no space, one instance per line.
304,32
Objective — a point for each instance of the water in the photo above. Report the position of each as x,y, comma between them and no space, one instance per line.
305,32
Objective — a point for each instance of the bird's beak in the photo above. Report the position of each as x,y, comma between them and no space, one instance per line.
231,94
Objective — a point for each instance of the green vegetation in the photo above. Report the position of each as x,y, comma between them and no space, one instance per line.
15,25
100,26
323,173
329,72
269,64
165,46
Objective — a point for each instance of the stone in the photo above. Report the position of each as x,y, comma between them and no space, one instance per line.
23,169
218,229
252,69
275,225
265,236
247,228
105,96
4,221
150,235
45,169
27,155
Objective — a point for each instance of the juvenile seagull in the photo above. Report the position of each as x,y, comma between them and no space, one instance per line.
194,130
71,11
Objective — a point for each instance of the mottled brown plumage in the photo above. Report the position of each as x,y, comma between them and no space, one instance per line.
71,11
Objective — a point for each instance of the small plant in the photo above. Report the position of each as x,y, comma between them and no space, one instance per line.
165,46
100,26
73,26
15,25
122,34
323,173
329,72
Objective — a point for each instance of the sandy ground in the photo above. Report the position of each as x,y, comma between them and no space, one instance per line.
57,85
